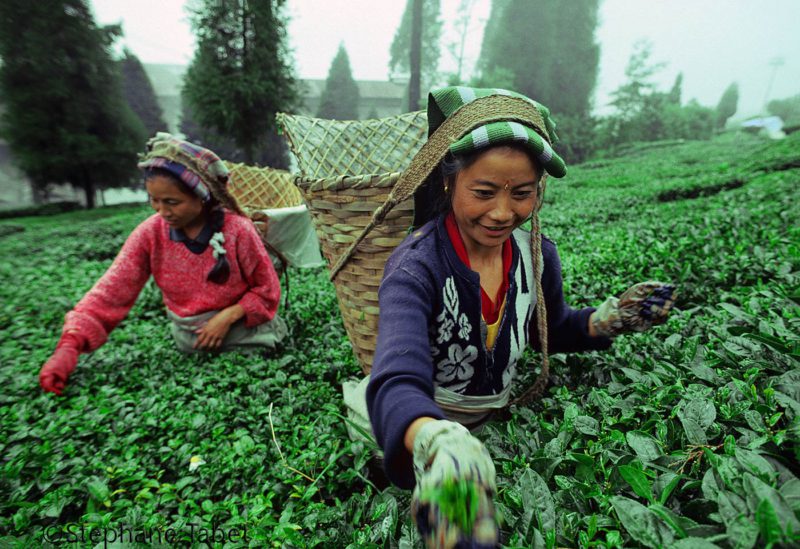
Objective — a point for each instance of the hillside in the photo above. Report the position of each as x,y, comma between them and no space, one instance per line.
685,436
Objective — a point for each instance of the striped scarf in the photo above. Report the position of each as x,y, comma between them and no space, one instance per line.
443,102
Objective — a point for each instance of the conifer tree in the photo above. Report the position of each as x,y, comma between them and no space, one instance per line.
727,105
400,49
543,49
140,95
340,97
65,117
788,109
241,74
674,95
272,154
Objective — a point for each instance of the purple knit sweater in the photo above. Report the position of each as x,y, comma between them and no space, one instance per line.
431,333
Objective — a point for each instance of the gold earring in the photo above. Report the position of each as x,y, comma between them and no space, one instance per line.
446,188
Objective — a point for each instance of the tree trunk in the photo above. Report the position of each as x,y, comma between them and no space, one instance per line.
415,61
38,193
88,188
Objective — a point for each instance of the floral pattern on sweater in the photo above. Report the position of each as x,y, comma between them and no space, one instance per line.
462,363
409,363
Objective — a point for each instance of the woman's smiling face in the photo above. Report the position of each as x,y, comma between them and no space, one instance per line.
493,196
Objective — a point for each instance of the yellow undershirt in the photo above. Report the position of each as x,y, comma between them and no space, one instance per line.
492,329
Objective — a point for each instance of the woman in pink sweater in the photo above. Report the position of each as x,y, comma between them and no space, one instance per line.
218,283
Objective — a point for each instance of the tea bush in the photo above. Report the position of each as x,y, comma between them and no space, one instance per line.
685,436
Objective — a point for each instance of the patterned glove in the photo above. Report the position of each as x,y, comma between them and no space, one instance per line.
638,309
54,373
452,503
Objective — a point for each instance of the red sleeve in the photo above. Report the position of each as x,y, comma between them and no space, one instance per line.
260,303
110,299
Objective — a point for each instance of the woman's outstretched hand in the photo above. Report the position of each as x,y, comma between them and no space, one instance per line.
638,309
53,375
211,335
452,503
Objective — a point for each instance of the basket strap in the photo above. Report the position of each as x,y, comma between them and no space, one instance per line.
481,111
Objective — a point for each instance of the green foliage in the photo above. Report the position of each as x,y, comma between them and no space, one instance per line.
631,97
674,95
543,44
340,97
140,95
65,118
241,74
44,209
788,109
458,500
686,436
272,153
727,105
645,114
399,51
495,77
577,135
559,37
224,147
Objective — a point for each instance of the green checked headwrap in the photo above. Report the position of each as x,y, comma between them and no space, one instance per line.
539,138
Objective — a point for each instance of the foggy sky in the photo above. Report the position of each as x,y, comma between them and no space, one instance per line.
713,42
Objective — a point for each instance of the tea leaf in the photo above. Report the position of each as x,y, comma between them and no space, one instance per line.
768,523
537,500
586,425
98,489
694,543
637,480
644,445
641,523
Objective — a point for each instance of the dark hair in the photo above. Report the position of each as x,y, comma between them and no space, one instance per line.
149,173
222,270
215,216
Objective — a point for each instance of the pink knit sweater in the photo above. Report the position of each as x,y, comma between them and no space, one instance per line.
181,275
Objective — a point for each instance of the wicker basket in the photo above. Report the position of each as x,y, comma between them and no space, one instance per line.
338,161
335,148
341,208
262,188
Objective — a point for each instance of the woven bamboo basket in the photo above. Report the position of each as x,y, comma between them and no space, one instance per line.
348,170
262,188
341,208
334,148
256,189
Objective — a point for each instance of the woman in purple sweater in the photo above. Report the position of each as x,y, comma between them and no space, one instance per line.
460,301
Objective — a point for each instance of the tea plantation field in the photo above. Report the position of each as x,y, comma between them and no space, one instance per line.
687,436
